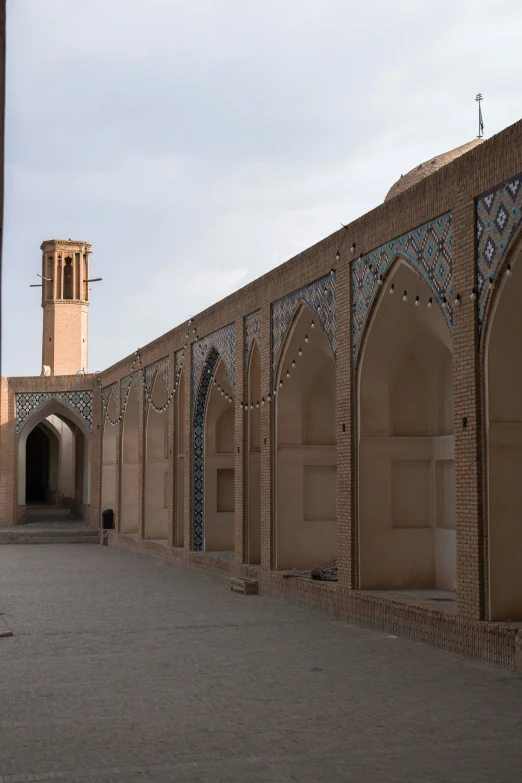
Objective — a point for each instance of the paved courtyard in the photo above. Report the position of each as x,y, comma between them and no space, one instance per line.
124,669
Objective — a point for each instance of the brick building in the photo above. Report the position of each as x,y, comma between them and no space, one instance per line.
358,404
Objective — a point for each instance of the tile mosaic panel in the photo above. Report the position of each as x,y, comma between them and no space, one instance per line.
199,432
28,403
429,252
252,332
161,366
499,214
128,383
320,297
106,394
224,342
179,359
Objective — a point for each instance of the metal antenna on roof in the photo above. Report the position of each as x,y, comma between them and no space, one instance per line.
479,100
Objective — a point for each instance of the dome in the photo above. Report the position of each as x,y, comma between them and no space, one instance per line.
428,167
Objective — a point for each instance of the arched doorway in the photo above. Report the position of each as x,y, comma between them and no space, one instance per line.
39,464
57,471
253,548
180,463
130,474
219,465
504,430
109,466
156,464
214,496
406,488
306,452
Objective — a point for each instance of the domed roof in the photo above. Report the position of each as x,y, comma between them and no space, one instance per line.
428,167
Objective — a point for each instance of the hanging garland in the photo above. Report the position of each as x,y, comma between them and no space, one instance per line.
148,392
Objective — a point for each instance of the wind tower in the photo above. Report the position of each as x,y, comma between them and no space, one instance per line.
65,302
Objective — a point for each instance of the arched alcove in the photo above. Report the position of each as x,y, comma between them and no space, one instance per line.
406,488
156,464
180,463
306,458
130,469
253,550
109,466
504,417
219,494
68,471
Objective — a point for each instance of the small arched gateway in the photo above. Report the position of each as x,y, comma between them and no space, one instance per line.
54,453
503,375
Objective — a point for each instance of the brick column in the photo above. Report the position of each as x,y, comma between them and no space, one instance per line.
267,454
188,536
141,457
96,456
240,448
346,432
119,445
171,453
8,455
467,417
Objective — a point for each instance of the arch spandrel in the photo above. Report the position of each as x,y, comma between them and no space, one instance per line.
223,342
427,250
498,232
320,298
77,406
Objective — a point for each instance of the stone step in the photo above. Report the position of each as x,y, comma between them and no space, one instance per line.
83,536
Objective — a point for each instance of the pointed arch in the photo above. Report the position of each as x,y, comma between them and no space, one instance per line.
78,446
503,392
156,462
305,447
405,441
214,425
130,470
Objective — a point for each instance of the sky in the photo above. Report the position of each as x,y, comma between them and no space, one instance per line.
198,145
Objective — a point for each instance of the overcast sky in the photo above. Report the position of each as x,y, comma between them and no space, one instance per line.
197,145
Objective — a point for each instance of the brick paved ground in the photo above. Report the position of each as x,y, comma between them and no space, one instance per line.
124,669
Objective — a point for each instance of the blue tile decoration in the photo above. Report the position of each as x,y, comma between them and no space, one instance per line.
161,367
128,383
427,249
499,214
224,342
252,332
320,297
199,453
29,402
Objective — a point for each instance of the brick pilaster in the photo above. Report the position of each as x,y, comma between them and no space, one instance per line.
467,416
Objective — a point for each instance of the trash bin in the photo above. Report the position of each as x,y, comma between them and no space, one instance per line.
108,519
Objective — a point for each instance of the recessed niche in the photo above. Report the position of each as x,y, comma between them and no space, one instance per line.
410,493
225,489
445,493
319,492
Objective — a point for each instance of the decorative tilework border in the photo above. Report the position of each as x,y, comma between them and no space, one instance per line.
130,380
161,367
428,249
499,215
199,458
106,395
27,403
320,297
179,358
224,342
252,332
